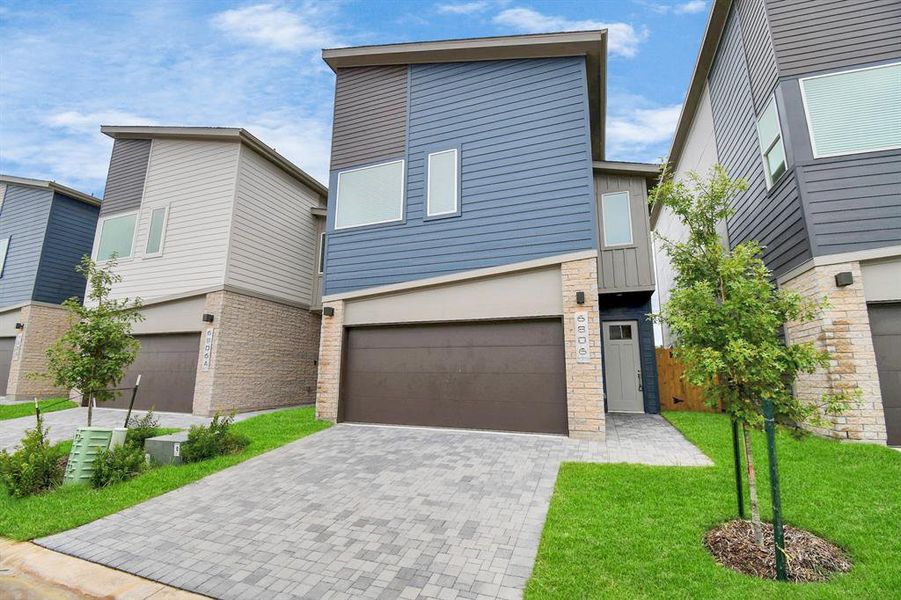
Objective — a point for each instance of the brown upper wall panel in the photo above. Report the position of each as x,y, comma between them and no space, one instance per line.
370,115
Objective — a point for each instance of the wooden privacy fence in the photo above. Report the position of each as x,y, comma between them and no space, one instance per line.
675,393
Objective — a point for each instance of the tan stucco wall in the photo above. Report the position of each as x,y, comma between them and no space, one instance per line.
178,316
882,279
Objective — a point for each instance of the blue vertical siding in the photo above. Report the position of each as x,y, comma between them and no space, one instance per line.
636,307
526,180
70,235
23,219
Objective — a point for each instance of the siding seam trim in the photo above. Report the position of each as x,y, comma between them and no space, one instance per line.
231,229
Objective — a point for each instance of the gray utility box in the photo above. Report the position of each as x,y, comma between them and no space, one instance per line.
165,449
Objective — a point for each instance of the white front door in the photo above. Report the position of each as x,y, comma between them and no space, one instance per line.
622,367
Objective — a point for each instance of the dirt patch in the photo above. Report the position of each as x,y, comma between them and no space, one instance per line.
808,557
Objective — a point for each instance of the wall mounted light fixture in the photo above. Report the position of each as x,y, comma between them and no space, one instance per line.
20,325
207,318
580,297
844,279
328,311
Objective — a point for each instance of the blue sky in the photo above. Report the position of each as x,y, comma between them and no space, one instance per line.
68,67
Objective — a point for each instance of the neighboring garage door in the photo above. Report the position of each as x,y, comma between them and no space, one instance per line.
503,375
6,357
885,323
168,366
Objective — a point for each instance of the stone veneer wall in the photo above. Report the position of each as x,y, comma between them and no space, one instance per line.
263,356
844,330
44,324
584,384
584,381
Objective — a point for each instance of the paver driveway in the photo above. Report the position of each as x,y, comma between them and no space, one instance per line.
63,423
365,512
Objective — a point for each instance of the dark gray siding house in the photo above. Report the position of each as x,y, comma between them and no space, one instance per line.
485,267
45,230
803,100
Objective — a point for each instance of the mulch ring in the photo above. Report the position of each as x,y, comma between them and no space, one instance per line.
808,557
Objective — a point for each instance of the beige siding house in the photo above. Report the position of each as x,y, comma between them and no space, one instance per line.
218,235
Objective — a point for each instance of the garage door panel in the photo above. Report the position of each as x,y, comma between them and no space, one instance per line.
168,368
885,323
506,375
492,359
6,356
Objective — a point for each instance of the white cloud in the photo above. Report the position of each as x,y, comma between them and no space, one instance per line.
623,38
635,132
278,28
75,121
464,8
305,140
688,8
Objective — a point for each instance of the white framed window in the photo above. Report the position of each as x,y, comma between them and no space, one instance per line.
4,249
853,111
370,195
321,253
117,235
617,217
769,136
443,193
156,231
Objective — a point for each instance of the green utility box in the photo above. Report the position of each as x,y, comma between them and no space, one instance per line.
165,449
88,443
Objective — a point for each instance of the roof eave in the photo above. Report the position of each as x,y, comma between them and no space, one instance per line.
52,185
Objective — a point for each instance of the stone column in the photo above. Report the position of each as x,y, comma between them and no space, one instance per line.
844,330
584,380
44,324
330,350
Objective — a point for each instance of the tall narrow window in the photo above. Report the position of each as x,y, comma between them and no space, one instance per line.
854,111
117,236
617,217
770,137
443,193
370,195
321,253
157,231
4,248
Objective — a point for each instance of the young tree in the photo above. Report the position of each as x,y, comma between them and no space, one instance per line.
93,354
726,316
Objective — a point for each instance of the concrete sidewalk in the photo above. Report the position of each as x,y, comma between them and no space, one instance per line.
29,572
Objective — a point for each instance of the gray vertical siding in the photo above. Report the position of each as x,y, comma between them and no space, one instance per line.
70,235
773,217
125,181
814,35
23,219
625,267
370,120
527,187
853,202
636,307
758,50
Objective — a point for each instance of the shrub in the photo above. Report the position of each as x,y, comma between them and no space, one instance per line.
216,439
117,465
35,467
141,428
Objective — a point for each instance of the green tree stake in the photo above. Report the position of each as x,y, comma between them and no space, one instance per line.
769,425
736,451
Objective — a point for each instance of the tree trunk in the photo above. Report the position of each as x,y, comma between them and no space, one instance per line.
90,408
752,487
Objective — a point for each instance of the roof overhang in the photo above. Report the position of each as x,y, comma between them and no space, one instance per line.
51,185
217,134
649,171
716,23
590,44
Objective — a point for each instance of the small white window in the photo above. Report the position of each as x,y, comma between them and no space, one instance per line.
617,217
771,149
321,252
4,248
117,236
443,193
370,195
157,231
854,111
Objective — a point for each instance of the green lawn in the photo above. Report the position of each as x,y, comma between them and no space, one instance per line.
632,531
71,506
26,409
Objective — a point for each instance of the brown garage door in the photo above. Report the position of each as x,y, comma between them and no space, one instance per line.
6,357
885,323
168,366
504,375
